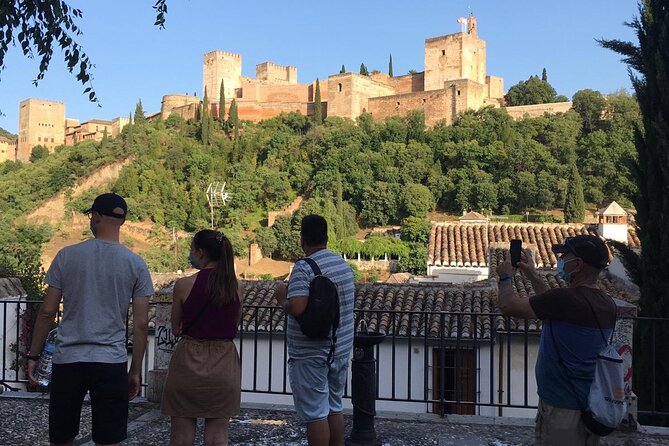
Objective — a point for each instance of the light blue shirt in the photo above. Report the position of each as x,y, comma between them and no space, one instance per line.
339,272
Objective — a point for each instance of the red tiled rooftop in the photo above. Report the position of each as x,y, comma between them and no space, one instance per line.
467,244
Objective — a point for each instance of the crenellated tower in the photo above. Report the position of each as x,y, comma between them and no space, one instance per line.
221,65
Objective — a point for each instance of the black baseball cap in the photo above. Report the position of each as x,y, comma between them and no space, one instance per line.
110,204
590,248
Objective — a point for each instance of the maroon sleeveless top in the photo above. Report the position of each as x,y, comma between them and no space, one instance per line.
215,322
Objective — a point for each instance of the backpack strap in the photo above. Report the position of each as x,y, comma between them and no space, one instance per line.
333,340
594,314
314,266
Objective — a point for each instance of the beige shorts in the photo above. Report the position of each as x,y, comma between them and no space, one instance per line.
559,427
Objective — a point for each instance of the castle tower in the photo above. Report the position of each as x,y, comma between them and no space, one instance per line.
41,122
455,56
276,74
612,222
217,66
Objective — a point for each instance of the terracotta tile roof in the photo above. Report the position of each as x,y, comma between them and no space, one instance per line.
466,244
414,309
632,239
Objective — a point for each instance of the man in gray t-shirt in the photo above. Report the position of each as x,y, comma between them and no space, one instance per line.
96,281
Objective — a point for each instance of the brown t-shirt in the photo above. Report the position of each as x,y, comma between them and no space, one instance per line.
571,305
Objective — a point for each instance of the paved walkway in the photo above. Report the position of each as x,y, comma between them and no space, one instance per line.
23,421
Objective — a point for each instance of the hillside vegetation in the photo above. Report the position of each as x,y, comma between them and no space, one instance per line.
358,174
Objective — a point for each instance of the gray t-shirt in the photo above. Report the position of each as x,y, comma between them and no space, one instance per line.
97,278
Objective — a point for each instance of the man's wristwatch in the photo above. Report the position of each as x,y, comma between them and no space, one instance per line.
33,357
503,277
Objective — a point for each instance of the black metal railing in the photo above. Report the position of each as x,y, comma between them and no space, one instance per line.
440,362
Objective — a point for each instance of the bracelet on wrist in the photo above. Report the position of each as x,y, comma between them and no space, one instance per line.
33,357
504,276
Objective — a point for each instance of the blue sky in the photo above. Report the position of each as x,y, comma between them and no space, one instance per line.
134,59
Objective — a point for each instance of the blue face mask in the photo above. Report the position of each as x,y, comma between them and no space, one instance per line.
193,262
566,276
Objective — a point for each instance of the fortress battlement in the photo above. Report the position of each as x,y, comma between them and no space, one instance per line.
273,65
223,54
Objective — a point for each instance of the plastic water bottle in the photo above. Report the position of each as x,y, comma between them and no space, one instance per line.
43,369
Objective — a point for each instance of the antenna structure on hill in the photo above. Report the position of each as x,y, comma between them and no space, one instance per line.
217,197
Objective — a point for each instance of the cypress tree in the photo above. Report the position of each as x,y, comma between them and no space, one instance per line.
130,118
390,66
574,205
139,114
343,69
544,75
318,107
363,70
204,123
221,103
648,61
233,118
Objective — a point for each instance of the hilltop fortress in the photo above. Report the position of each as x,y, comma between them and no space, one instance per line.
454,80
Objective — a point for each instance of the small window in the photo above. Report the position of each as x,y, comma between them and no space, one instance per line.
458,92
398,103
51,139
339,88
443,52
364,110
424,100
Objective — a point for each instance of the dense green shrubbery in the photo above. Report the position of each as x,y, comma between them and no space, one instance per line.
368,173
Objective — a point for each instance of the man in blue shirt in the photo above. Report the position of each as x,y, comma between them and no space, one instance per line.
574,320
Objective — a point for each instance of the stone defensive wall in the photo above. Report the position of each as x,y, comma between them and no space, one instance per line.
349,94
276,73
176,101
408,83
257,111
186,112
536,110
436,105
253,90
288,210
494,86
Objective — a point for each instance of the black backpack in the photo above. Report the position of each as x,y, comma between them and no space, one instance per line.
322,312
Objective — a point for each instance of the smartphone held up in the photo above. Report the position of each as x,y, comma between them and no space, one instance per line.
515,249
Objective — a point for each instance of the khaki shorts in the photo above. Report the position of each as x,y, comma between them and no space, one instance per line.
559,427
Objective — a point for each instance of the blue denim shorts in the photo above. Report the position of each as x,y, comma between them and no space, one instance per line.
318,387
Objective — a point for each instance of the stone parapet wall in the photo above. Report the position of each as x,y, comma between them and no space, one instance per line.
532,111
176,101
436,105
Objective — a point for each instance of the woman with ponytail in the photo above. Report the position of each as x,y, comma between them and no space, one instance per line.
204,380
